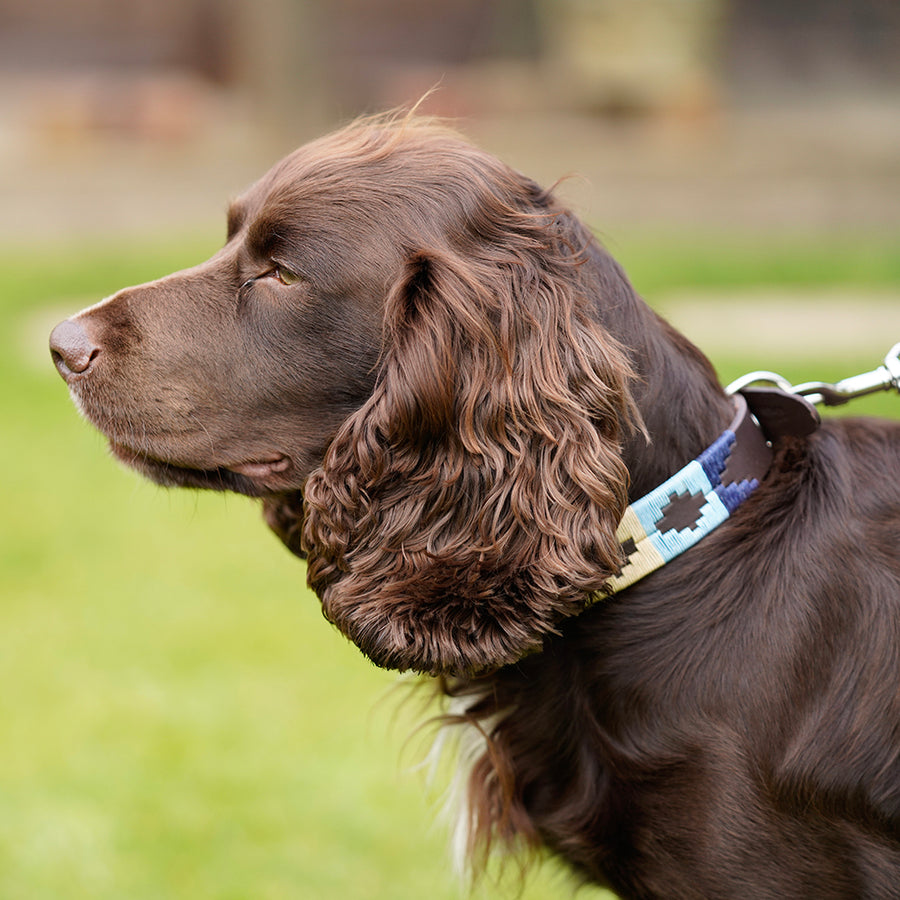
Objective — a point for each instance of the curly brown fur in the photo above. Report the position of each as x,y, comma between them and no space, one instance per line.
471,503
445,391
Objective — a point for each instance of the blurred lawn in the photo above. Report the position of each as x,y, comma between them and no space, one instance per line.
178,721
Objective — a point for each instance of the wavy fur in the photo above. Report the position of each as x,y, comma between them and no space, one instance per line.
471,503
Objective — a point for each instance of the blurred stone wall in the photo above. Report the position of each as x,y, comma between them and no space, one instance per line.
162,67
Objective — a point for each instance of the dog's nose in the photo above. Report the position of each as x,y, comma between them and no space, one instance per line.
72,350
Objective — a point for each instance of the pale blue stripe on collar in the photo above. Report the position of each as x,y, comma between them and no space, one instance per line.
694,501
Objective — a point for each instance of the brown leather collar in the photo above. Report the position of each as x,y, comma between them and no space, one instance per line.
701,496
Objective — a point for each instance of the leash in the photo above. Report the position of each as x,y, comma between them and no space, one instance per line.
884,378
697,499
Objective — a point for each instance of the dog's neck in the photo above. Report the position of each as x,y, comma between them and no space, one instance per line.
683,406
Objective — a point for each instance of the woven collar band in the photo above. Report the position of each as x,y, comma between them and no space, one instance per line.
699,498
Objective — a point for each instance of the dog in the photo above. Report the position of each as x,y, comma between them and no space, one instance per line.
450,401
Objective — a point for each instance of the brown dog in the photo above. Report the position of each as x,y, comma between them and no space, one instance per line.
446,393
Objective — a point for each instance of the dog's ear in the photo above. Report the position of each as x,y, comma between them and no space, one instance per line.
472,502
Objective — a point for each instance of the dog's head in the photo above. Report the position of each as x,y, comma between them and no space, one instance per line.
398,348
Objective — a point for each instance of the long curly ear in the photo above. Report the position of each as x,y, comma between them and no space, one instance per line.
472,502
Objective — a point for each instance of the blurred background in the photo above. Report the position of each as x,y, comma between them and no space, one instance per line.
750,114
177,720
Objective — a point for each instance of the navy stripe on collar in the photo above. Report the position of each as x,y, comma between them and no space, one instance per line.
694,501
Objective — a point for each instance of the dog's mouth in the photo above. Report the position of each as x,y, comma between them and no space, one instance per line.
254,477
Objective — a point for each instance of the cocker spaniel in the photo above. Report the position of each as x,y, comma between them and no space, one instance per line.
674,625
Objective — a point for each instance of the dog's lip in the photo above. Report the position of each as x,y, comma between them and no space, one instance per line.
255,468
261,468
254,477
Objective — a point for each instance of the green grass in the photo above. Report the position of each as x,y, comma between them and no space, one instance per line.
659,262
178,721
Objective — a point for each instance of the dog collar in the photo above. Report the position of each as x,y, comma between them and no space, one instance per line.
696,500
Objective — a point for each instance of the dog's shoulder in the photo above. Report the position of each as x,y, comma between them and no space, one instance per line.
862,456
864,430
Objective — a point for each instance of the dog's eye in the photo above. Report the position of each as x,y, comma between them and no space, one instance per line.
286,276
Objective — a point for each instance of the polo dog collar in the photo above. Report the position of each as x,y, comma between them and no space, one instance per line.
697,499
701,496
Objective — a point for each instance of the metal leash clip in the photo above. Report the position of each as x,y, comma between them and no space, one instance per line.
884,378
